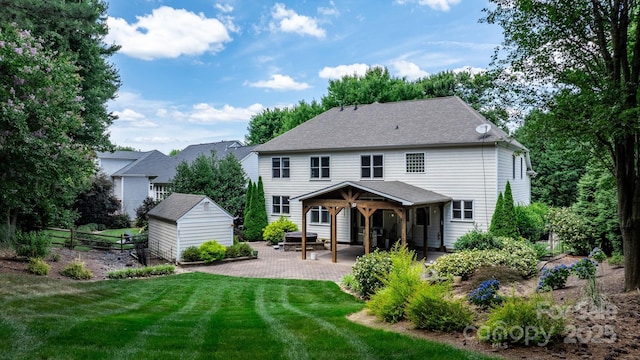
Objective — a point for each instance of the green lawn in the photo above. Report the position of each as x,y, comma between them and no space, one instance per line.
193,316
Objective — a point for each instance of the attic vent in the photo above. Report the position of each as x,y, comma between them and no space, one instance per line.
206,206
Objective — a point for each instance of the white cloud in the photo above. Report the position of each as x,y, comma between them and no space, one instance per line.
409,70
280,82
289,21
226,8
167,33
329,11
134,119
470,69
442,5
175,126
205,113
339,71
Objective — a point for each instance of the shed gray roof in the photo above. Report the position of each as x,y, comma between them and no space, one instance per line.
222,149
445,121
176,206
406,194
155,164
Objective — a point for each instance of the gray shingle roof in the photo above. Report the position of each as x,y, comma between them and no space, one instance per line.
175,206
443,121
153,164
129,155
222,149
399,191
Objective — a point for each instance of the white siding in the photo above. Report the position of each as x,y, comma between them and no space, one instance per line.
162,238
520,185
203,223
250,166
456,172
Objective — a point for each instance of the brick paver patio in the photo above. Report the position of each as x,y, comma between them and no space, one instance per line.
280,264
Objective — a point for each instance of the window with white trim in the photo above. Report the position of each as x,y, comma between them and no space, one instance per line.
414,162
280,205
319,215
320,167
371,167
462,210
280,167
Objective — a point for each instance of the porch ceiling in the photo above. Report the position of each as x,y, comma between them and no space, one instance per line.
403,193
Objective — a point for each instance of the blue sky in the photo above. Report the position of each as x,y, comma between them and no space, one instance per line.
196,71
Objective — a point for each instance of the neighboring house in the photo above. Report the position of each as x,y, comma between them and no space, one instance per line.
245,155
137,175
423,171
183,220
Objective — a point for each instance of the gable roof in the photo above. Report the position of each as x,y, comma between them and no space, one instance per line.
446,121
222,149
177,205
407,195
124,155
153,164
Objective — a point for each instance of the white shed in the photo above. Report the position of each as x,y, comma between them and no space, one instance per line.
184,220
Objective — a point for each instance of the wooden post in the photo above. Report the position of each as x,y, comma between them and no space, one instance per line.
71,236
304,231
121,241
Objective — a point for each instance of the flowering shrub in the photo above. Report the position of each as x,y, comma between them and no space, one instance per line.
486,294
369,271
584,268
598,255
554,278
571,229
517,255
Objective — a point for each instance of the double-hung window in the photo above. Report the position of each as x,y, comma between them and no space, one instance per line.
319,215
280,167
462,210
320,167
280,205
371,167
414,162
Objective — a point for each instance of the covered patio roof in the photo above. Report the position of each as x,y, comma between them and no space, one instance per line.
398,191
366,197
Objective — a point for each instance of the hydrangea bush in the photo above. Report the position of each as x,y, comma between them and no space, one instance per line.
486,295
554,278
585,268
598,255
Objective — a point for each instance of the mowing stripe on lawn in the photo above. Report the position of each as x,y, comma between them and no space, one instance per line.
353,339
159,327
294,349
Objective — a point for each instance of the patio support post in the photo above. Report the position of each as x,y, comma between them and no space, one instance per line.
305,209
401,215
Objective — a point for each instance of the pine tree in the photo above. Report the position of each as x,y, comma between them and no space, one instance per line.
497,215
260,206
247,202
509,219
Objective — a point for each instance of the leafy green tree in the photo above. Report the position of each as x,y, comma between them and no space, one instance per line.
44,164
77,29
586,56
559,163
300,114
222,181
377,85
174,152
231,189
265,126
123,148
97,205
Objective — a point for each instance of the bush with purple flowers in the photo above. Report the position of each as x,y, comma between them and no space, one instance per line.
486,295
554,278
585,268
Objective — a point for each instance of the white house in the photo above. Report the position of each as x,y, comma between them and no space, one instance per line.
423,171
137,175
183,220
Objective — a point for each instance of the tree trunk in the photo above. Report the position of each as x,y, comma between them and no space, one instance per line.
629,210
